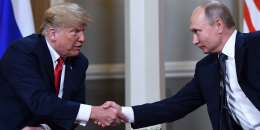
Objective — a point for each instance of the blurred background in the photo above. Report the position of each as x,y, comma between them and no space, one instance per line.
105,48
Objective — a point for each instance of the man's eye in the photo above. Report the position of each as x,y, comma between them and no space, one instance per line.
74,32
197,31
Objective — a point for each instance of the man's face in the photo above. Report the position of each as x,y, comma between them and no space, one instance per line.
69,40
205,36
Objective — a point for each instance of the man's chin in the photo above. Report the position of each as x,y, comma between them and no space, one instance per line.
205,51
74,54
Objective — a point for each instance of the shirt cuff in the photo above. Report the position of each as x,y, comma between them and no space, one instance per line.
46,127
83,114
129,113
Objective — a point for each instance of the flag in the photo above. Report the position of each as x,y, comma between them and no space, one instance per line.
16,21
251,16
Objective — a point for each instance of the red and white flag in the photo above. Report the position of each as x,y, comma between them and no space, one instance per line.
251,21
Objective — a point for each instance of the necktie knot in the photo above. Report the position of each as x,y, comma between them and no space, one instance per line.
60,60
222,57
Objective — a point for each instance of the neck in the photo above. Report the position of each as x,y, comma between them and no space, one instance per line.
225,37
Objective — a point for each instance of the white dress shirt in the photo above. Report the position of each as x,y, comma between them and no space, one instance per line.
84,110
242,109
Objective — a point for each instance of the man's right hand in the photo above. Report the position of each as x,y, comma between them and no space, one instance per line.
33,128
112,104
107,115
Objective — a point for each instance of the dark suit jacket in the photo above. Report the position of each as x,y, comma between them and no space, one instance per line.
205,86
27,86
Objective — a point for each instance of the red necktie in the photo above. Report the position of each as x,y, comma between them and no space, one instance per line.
57,74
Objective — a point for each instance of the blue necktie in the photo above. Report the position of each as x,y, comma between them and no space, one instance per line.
224,119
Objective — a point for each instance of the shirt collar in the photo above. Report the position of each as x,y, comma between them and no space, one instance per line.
54,54
229,48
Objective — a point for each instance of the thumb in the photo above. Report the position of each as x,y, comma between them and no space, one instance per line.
107,104
123,117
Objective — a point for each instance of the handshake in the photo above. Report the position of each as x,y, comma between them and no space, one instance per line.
107,115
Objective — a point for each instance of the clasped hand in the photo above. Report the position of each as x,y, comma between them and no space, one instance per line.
107,115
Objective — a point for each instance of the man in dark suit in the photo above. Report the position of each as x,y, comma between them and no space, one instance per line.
226,80
42,77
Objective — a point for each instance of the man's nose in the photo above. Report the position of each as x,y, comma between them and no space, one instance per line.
82,36
195,39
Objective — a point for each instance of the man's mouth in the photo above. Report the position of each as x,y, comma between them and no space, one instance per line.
78,47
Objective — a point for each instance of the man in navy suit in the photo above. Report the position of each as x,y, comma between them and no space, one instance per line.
32,96
232,96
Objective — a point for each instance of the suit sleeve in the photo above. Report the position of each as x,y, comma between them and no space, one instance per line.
21,69
185,101
80,97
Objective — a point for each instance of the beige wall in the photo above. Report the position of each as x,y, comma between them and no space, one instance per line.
38,8
105,45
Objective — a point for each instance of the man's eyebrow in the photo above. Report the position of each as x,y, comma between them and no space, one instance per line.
194,30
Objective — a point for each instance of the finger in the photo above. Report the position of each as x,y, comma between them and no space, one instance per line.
116,106
117,122
105,123
100,124
123,117
107,104
26,128
113,125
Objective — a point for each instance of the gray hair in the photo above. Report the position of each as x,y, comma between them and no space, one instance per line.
214,10
63,15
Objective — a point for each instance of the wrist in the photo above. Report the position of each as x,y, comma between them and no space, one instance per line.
93,113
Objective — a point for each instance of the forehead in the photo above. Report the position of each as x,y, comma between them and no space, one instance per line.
74,26
197,18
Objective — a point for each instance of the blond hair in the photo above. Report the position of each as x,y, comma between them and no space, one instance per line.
63,15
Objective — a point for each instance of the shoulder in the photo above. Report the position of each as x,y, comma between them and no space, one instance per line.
249,39
27,46
207,60
28,43
80,61
252,35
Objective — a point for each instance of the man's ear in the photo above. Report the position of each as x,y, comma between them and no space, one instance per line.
219,25
52,34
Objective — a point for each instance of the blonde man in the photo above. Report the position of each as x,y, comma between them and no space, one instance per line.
42,76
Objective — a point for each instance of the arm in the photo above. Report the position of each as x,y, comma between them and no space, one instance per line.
185,101
22,70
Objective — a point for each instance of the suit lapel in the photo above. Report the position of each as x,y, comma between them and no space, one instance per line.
239,53
242,74
210,81
46,61
68,79
215,92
